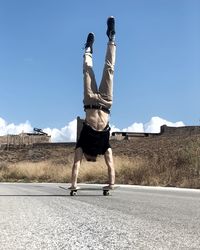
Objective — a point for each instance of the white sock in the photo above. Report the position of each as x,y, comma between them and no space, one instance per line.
88,50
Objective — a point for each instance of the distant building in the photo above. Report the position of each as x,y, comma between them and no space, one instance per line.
164,131
38,136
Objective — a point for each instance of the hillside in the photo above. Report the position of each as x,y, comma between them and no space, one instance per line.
161,160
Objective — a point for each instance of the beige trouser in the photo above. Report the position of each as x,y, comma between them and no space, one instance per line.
104,95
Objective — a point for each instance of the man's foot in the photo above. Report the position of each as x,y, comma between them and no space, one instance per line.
89,43
111,28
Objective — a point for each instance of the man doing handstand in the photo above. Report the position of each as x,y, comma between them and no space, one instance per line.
94,136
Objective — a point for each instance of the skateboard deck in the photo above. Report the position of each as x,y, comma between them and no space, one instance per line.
106,191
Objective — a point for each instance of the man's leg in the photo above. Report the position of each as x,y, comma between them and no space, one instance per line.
75,169
111,169
106,85
90,86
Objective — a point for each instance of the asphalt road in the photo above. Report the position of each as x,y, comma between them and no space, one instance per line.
44,216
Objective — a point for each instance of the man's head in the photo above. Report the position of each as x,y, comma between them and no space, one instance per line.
90,157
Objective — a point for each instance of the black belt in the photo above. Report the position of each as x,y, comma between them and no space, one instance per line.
97,107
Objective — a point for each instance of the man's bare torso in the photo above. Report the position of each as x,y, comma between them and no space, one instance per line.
97,119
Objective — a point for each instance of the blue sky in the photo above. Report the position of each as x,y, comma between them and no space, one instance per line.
157,69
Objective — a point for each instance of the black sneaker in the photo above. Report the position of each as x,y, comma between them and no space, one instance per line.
89,42
111,28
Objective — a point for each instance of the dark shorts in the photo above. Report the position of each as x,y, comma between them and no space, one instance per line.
94,142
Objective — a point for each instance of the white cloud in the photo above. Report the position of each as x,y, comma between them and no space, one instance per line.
65,134
13,129
153,126
114,129
135,127
68,133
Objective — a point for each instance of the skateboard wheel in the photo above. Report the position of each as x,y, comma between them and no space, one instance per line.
73,193
105,192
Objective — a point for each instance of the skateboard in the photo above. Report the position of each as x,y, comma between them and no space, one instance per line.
106,191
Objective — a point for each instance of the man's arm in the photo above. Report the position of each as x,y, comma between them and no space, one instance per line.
110,164
75,169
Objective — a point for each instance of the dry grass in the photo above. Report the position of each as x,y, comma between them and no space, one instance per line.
49,171
35,172
179,172
161,161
